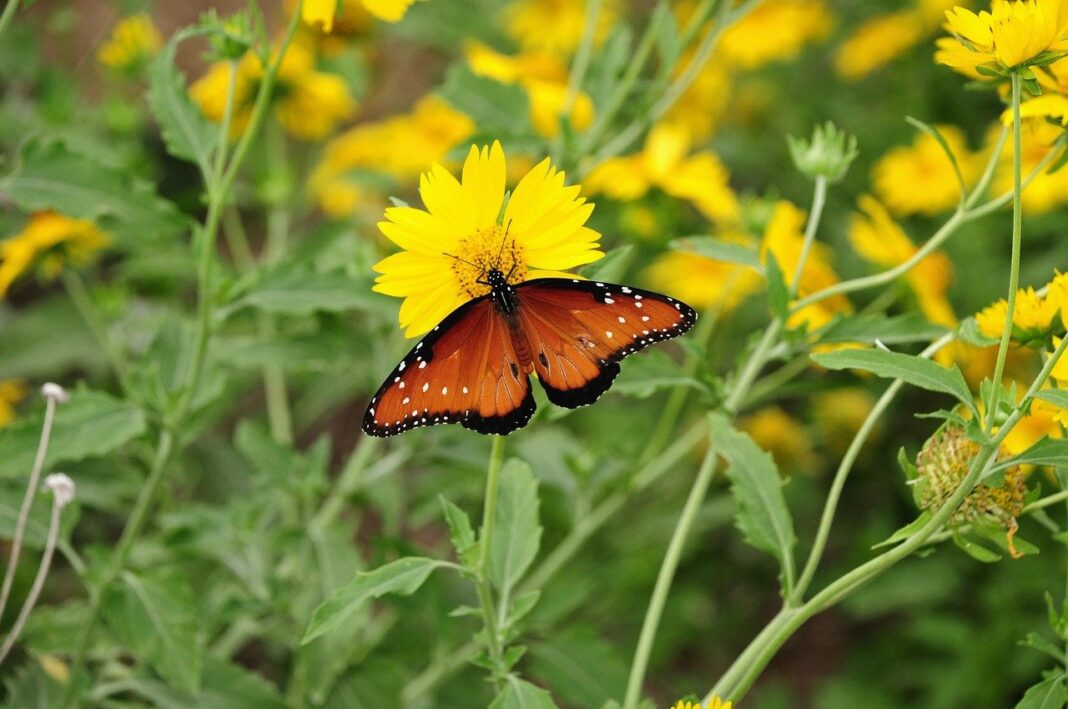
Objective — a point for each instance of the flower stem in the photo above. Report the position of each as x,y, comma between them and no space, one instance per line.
819,198
664,579
9,12
1014,263
581,62
485,592
27,501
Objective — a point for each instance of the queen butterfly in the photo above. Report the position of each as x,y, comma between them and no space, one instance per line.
474,367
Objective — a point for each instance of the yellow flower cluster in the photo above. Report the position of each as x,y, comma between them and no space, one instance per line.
12,391
428,132
132,42
876,42
543,77
324,12
309,104
919,179
666,163
1035,317
776,30
1013,33
47,243
554,27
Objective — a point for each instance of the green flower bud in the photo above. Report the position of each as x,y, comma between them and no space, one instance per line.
827,154
230,37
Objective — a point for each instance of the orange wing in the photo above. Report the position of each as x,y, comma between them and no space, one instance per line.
579,331
465,371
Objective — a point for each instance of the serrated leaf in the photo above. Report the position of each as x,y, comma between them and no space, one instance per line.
719,250
187,134
898,329
91,424
1050,693
612,267
156,618
778,291
520,694
461,532
402,577
516,529
52,176
761,512
913,370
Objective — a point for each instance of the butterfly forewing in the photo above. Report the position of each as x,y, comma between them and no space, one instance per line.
464,371
579,330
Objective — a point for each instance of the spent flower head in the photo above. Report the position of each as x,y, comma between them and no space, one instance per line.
827,154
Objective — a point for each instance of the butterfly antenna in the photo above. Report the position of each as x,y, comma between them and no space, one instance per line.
462,260
504,240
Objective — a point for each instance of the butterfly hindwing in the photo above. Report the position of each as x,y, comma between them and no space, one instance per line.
578,331
466,371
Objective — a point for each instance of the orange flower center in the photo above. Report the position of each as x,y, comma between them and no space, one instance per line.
483,250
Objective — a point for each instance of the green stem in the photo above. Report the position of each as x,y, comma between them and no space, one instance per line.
664,578
819,198
485,592
1014,263
9,12
224,127
844,468
581,62
348,482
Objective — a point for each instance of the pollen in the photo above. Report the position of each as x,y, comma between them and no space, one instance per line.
483,250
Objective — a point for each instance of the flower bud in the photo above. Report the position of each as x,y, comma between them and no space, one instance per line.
52,390
231,37
827,154
62,488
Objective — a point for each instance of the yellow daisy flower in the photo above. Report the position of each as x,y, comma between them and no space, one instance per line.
877,42
554,26
1057,294
1033,317
308,103
133,42
701,281
776,30
48,242
1012,34
324,12
665,163
782,435
919,179
703,105
784,237
447,246
880,240
1046,191
543,76
713,703
12,391
429,131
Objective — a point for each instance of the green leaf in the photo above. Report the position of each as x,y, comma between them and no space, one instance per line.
645,375
941,140
778,292
668,38
968,332
520,694
893,365
898,329
1037,642
719,250
186,132
1050,693
493,106
52,176
580,666
976,551
907,531
156,618
612,267
516,530
761,513
1047,451
402,577
1057,397
45,337
90,424
461,532
296,291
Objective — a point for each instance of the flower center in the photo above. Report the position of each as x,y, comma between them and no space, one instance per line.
488,248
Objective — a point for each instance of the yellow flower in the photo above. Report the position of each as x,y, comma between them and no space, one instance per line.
133,41
701,281
784,437
308,103
703,105
880,240
1033,317
323,12
12,391
784,237
775,30
1044,419
1045,191
1013,33
920,179
665,163
428,132
545,80
1057,294
713,703
554,26
877,42
447,246
47,243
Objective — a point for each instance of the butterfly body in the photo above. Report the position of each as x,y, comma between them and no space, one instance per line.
474,368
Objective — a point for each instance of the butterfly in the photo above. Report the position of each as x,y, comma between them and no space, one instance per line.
474,367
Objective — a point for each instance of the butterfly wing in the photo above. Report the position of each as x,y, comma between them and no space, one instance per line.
464,371
578,331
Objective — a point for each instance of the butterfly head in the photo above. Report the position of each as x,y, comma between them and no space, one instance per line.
479,256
